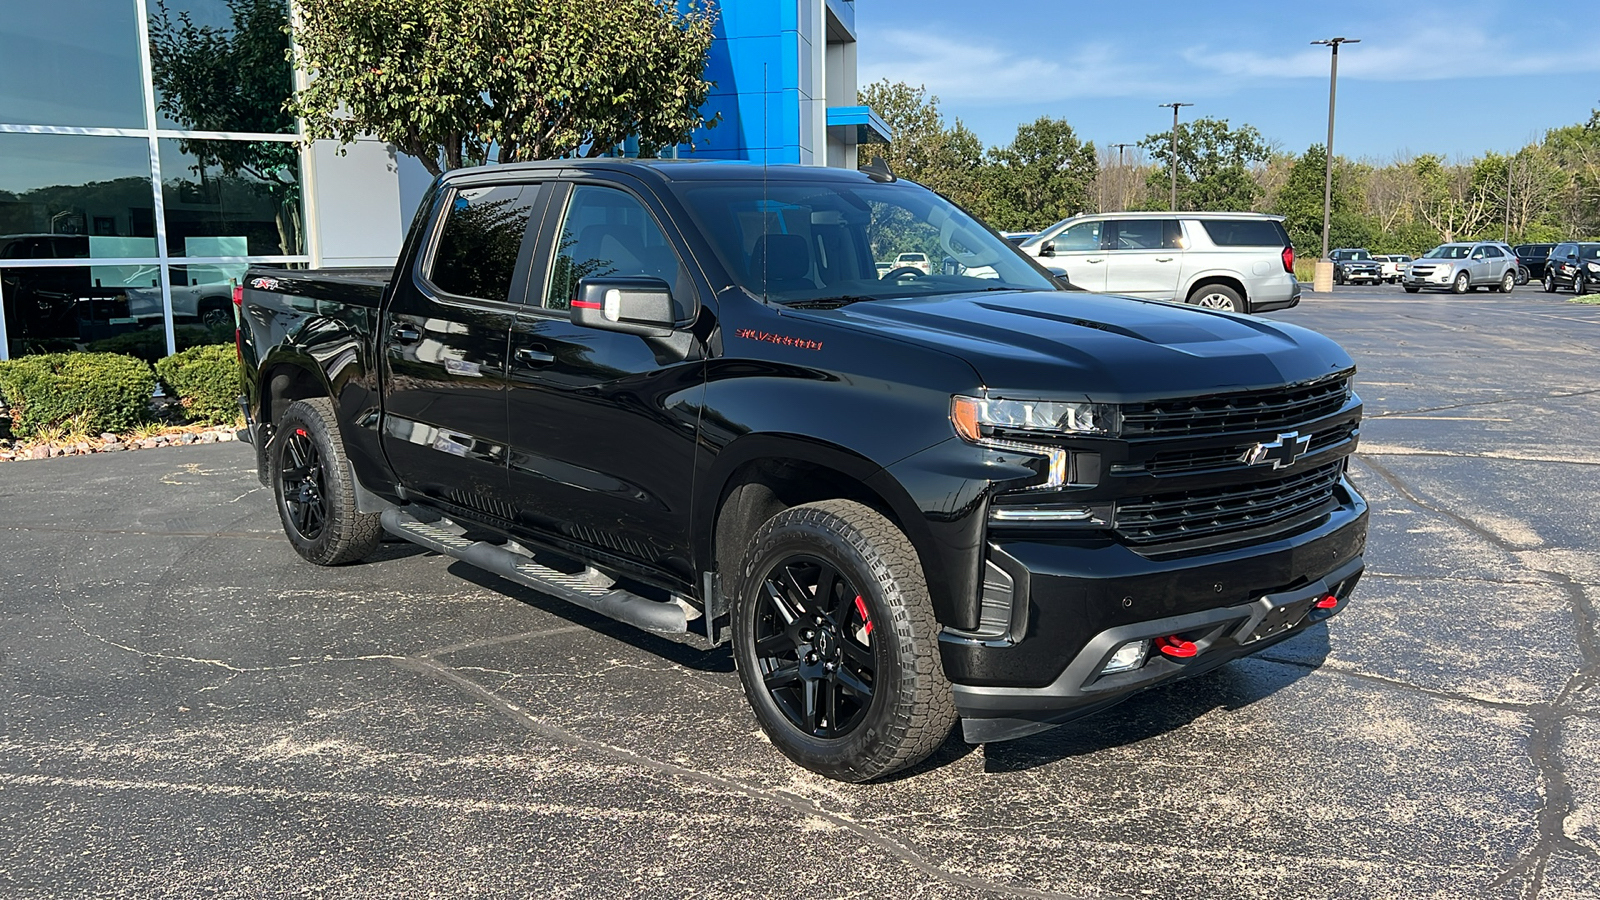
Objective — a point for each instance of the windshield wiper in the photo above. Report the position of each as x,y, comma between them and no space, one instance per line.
827,302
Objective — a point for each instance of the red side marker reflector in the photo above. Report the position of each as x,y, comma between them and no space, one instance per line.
861,607
1328,602
1176,647
584,304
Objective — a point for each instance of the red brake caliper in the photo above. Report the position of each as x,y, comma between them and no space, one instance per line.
861,607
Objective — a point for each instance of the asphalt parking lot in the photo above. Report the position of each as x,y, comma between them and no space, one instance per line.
190,710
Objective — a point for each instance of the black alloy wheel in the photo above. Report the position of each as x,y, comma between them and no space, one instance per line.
301,475
813,640
314,485
837,644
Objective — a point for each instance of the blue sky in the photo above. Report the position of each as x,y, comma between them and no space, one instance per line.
1454,78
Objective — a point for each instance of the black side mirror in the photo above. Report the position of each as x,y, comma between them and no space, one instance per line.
1048,248
631,305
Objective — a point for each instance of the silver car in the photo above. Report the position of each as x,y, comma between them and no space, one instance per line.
1464,266
1241,262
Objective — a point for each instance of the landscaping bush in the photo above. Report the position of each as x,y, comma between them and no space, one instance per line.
205,381
87,392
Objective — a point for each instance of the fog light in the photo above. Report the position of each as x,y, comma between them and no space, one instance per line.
1128,657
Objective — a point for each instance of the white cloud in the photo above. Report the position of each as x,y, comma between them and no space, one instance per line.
979,71
1432,53
975,70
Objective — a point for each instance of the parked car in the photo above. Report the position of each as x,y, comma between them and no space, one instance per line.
1392,267
903,500
1532,258
1354,265
1241,262
1574,264
1017,237
918,261
1464,266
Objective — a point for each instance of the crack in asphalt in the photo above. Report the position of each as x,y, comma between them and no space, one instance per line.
798,804
1544,741
1471,403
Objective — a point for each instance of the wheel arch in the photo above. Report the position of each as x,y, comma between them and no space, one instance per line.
760,475
1231,282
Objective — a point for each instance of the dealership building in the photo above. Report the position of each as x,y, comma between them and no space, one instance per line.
145,160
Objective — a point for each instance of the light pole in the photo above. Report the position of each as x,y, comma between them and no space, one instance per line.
1173,147
1510,161
1122,175
1324,273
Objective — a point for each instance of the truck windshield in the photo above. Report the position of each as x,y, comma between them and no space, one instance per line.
817,241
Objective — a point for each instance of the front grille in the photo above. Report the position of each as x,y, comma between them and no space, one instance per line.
1189,462
1234,413
1255,507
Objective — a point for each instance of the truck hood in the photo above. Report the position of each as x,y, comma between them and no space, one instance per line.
1110,349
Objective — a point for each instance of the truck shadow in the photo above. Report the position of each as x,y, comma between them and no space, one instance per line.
1163,709
686,655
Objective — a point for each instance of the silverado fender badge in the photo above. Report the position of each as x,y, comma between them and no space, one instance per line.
1281,452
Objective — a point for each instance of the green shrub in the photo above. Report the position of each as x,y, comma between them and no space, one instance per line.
92,392
205,381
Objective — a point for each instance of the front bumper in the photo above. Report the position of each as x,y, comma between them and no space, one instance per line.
1435,278
1084,601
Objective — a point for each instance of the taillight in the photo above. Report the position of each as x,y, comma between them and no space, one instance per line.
1288,260
238,320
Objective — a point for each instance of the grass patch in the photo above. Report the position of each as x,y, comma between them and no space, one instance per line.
1591,299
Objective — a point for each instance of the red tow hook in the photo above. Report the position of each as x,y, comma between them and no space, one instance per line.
1328,602
1175,646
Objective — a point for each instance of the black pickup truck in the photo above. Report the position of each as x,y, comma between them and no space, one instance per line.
682,394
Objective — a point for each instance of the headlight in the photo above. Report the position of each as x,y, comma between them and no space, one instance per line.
976,418
1593,267
1004,425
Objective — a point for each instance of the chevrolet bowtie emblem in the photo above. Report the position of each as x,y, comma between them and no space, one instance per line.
1281,452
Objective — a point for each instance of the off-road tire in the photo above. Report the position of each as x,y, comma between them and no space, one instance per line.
912,709
345,535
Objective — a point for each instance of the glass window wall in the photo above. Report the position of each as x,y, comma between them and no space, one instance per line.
202,211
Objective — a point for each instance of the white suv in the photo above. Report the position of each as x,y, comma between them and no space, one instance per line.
1233,261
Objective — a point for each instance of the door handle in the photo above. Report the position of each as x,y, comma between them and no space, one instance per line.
535,356
405,334
1163,259
1094,260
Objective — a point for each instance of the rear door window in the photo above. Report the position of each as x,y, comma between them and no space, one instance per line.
480,240
1245,232
1146,234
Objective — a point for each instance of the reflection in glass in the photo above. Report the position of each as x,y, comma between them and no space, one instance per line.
59,308
232,196
202,303
70,62
65,196
221,66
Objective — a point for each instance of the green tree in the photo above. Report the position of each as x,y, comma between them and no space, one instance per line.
1213,165
1299,201
1044,175
452,81
234,78
922,148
